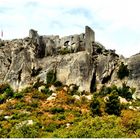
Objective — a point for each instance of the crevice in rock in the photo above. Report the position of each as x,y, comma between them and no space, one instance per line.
9,60
19,75
93,83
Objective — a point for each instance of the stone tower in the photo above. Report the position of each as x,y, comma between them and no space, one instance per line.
89,39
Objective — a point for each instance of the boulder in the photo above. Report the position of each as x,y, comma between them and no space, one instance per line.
54,95
76,97
52,88
41,88
7,117
88,97
51,98
68,125
123,100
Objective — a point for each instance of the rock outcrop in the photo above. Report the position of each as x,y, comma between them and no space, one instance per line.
76,59
24,60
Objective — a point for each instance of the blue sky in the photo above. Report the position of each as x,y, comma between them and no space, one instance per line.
115,22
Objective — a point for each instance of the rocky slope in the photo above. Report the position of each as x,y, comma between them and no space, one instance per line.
76,59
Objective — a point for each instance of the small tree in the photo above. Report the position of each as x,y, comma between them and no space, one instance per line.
95,107
125,91
123,71
105,90
8,92
51,77
113,105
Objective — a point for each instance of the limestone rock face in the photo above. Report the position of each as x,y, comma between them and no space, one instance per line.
76,59
106,67
134,66
25,60
76,68
134,77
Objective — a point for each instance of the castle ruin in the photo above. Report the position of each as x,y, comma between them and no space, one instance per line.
53,45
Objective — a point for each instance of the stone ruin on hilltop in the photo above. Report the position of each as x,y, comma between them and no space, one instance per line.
76,59
54,45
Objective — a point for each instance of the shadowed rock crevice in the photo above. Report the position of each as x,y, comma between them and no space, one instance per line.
19,76
93,83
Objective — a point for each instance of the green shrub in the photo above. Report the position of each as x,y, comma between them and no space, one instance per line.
59,117
25,131
84,100
113,105
123,71
2,99
95,107
8,93
58,84
16,116
34,103
4,133
20,105
125,91
51,77
57,110
18,95
105,91
10,106
3,87
27,90
29,108
64,51
70,100
47,91
51,127
136,102
38,95
98,127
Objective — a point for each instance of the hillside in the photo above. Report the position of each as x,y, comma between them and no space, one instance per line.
61,111
70,87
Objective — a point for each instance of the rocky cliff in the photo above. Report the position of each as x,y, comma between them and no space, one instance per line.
76,59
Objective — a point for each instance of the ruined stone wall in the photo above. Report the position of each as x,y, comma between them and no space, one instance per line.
89,39
24,60
53,45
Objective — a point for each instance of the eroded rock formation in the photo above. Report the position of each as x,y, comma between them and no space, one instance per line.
76,59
